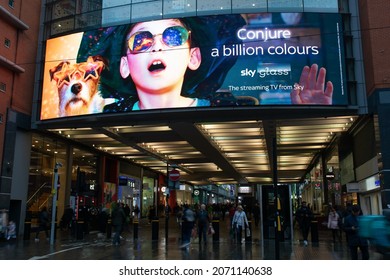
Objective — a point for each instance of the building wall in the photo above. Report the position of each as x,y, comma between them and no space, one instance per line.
19,27
68,15
375,22
27,43
5,78
22,51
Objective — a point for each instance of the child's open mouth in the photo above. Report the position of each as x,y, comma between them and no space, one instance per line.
157,65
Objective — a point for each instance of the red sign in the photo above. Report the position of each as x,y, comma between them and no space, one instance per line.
174,175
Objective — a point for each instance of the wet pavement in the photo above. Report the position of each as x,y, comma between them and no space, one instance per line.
93,246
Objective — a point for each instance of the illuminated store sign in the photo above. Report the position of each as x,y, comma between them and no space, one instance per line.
222,60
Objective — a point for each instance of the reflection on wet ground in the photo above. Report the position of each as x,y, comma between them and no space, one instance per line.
94,247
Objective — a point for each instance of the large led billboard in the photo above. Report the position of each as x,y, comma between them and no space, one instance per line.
222,60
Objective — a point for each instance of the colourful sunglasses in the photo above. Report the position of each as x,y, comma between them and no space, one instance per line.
173,36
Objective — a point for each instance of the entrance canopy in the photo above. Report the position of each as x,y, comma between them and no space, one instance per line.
225,146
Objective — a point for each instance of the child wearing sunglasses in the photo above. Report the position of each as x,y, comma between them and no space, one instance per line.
158,55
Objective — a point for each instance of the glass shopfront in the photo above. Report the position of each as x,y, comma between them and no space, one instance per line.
148,195
77,175
45,153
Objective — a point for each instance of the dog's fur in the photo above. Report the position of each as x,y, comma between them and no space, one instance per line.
78,86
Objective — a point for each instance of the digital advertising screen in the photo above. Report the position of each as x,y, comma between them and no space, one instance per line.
206,61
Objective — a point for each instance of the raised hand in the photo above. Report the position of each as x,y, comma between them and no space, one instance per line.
312,90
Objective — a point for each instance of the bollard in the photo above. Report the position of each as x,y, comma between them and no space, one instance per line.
216,229
27,230
80,230
27,226
314,231
109,229
248,239
73,228
155,226
135,229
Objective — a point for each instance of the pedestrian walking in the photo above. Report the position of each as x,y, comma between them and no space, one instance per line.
136,212
240,221
333,224
203,220
118,219
11,230
188,222
355,241
304,216
67,218
43,219
126,209
103,217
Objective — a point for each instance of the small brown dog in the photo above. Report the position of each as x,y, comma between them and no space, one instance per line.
78,86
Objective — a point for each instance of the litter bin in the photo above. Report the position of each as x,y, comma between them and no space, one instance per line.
79,230
27,226
109,229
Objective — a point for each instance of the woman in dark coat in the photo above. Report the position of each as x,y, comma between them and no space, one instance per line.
118,218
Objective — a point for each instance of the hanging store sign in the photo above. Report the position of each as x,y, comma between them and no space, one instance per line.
330,176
